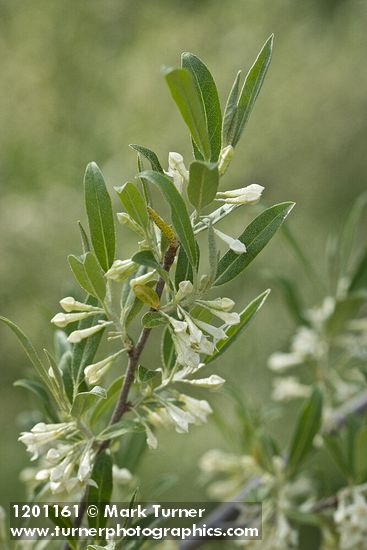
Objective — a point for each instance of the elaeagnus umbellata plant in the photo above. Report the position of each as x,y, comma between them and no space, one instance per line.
170,288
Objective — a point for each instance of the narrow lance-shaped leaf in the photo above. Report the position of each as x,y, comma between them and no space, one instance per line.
230,112
255,237
308,424
180,218
101,493
209,94
184,270
250,90
234,331
134,203
149,155
168,350
203,184
88,274
29,349
359,277
187,98
100,215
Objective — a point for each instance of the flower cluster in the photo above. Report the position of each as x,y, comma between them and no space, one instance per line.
317,354
351,518
66,455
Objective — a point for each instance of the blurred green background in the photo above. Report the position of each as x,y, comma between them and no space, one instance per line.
81,80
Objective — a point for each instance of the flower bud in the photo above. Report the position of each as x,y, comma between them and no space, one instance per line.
121,270
79,335
185,289
63,319
225,158
234,244
125,219
246,195
69,304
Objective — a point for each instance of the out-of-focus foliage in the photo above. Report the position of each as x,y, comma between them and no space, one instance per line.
79,80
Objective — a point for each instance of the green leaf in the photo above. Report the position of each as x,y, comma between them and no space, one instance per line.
134,203
153,319
100,215
149,155
88,274
234,331
132,451
332,444
30,351
101,494
360,455
180,218
348,235
57,375
209,95
61,344
63,523
230,111
108,403
203,184
359,277
85,400
256,236
147,259
168,350
308,425
187,98
65,366
95,276
77,267
147,375
183,268
250,90
84,238
118,429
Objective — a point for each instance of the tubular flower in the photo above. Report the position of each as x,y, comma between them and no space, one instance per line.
41,435
67,467
221,308
246,195
189,341
94,372
234,244
79,335
125,219
63,319
213,382
120,270
177,170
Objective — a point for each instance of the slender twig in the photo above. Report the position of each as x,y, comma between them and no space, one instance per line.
134,353
356,405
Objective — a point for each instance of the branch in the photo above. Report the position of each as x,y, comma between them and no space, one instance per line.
134,356
356,405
